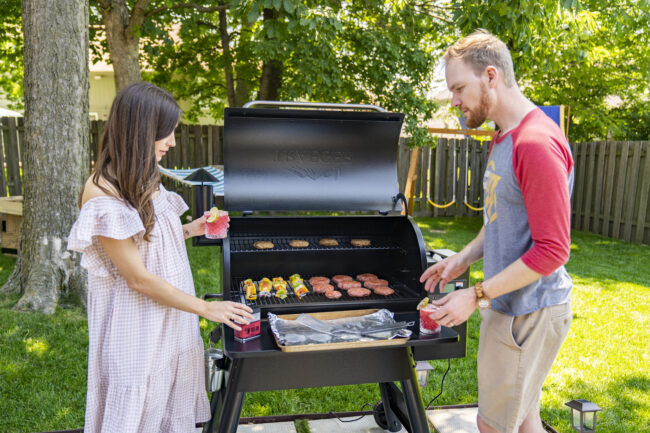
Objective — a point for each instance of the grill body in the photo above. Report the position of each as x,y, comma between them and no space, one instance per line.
396,253
306,160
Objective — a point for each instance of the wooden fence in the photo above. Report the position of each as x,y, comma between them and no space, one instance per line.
612,189
448,175
610,197
196,145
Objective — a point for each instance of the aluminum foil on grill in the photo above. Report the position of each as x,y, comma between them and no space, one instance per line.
307,329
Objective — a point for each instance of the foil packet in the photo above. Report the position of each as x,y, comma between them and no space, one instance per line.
306,329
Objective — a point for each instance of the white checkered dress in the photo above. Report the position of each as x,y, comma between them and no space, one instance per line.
145,360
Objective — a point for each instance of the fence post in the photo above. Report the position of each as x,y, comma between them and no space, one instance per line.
13,159
4,139
599,180
631,191
644,191
620,189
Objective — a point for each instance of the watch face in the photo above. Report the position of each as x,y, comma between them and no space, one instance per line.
483,303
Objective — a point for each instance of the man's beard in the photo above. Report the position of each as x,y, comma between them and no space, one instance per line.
475,118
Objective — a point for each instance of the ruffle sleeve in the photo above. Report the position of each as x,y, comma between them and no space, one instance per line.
102,216
176,203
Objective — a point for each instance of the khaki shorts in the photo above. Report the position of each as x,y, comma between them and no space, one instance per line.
515,355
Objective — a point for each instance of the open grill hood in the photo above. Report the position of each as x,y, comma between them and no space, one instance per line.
295,160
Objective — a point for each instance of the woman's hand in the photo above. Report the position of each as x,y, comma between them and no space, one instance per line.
227,312
194,228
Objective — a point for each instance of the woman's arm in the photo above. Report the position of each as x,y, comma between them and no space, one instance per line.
194,228
126,257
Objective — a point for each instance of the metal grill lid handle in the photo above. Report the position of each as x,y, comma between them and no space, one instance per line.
329,105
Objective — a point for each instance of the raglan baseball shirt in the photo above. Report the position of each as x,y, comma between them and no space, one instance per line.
527,212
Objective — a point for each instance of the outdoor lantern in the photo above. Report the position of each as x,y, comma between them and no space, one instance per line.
583,415
202,193
422,368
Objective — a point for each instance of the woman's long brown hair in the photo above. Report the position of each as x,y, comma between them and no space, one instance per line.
140,115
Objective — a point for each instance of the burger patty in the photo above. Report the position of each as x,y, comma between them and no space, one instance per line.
371,284
322,287
365,277
349,284
359,292
383,290
333,294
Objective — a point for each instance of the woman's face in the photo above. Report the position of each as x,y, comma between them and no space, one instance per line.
163,145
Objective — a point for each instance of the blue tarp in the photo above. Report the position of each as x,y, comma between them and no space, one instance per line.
180,175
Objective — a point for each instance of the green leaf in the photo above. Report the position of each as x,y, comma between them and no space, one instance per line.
253,14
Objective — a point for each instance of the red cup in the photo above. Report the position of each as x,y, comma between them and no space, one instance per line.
428,326
218,229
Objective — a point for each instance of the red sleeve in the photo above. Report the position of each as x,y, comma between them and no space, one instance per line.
542,169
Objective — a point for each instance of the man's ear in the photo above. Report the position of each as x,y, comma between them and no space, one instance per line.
492,74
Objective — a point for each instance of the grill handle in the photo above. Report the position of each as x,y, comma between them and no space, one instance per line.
207,296
280,104
402,197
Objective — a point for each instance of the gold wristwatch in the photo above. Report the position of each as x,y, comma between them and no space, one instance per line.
483,301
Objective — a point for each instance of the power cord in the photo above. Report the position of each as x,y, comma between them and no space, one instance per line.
442,383
354,419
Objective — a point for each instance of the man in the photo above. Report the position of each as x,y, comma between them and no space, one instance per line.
525,300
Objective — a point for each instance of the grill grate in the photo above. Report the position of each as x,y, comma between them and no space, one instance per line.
281,243
401,292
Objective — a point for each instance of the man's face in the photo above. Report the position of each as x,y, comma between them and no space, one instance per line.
469,92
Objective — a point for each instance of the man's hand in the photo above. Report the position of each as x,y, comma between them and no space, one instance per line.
455,308
443,272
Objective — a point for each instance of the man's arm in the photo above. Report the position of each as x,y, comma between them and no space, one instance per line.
514,277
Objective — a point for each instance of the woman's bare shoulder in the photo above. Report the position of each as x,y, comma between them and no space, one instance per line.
91,190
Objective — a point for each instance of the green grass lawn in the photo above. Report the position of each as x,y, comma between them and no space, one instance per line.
604,359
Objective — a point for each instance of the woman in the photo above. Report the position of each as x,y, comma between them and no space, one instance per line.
145,353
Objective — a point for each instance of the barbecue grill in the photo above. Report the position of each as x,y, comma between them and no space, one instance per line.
336,159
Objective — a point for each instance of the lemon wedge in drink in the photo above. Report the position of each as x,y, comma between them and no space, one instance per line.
423,303
214,214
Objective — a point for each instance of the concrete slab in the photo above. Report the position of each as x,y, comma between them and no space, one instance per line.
366,424
454,420
272,427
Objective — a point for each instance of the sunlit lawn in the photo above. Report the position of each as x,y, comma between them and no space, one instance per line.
604,359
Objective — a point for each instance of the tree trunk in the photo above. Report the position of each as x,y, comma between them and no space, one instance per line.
270,81
271,78
228,61
123,40
55,152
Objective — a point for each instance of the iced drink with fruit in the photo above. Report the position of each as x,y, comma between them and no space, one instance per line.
428,326
216,224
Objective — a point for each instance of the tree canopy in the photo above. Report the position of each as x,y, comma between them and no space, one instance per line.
11,53
590,55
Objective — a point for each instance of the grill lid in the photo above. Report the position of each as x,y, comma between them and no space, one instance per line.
287,159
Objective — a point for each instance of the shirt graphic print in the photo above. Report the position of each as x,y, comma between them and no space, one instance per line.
490,182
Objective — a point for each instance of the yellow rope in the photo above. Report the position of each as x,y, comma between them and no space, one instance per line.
477,209
442,206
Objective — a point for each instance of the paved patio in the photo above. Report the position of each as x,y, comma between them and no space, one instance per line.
441,421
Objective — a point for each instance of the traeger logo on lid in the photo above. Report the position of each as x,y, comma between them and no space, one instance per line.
304,161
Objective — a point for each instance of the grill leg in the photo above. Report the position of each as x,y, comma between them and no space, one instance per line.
390,400
226,404
414,405
406,406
